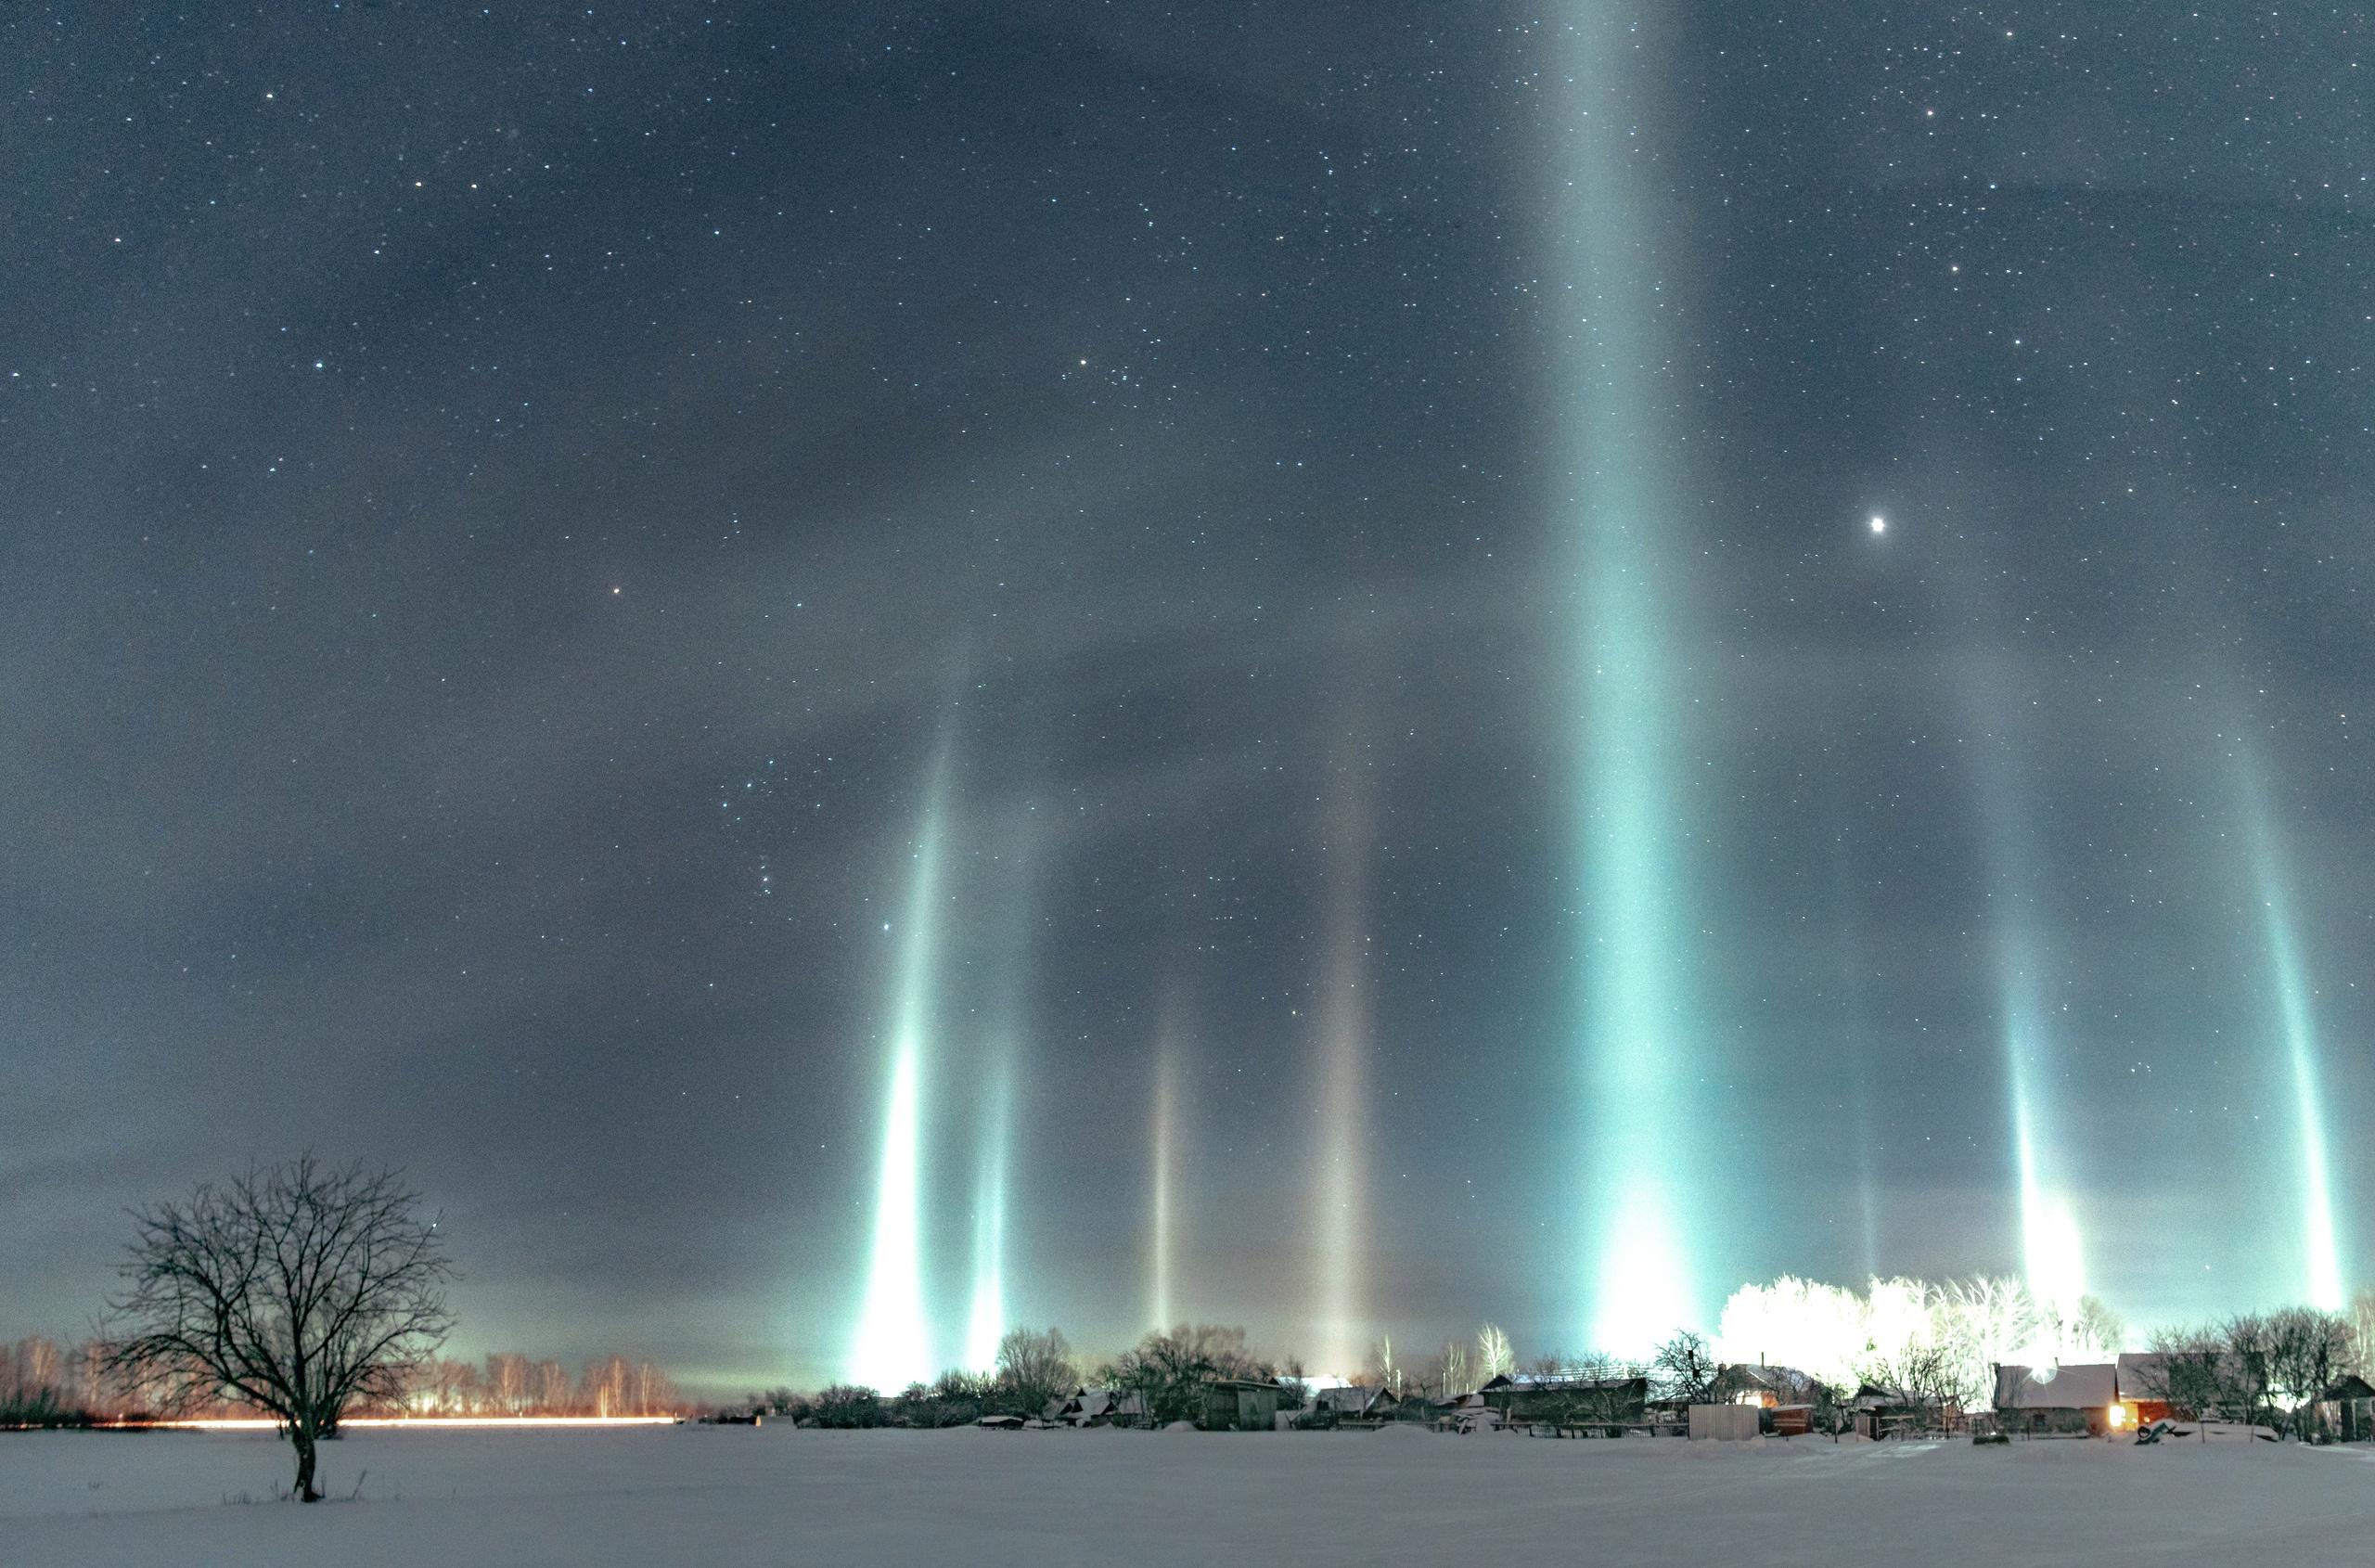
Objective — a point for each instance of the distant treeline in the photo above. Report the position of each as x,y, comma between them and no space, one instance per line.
1167,1369
45,1384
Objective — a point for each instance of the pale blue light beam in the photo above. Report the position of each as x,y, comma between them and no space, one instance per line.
1164,1152
1612,283
892,1344
2321,1255
986,1322
2052,1245
1343,1024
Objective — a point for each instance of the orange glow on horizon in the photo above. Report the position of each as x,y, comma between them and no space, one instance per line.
265,1423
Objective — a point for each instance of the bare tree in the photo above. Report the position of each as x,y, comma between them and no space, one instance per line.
2182,1371
2307,1351
1169,1370
2362,1333
1034,1369
1448,1374
1294,1385
1935,1382
1601,1389
1685,1368
2243,1371
33,1388
506,1383
549,1382
294,1288
603,1387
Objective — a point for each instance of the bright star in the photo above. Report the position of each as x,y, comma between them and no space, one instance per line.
1880,523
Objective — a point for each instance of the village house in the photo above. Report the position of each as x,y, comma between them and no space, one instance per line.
1786,1395
2144,1389
1526,1398
2069,1400
1100,1406
1354,1402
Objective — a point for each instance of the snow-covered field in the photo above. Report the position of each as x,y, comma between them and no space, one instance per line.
452,1499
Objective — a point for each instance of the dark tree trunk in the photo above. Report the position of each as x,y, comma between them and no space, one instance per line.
304,1442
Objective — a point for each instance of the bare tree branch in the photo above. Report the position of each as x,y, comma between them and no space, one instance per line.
295,1289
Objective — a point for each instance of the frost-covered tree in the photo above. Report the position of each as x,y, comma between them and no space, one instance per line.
1449,1376
1494,1359
1819,1329
2362,1333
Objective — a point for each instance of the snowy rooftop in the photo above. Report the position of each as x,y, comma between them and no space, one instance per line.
2087,1386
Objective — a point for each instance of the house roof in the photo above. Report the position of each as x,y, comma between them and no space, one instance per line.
2143,1375
1526,1383
2349,1386
2075,1386
1352,1399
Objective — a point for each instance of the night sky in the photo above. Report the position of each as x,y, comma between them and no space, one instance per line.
579,584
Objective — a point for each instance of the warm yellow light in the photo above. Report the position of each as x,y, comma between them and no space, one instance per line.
2119,1417
264,1423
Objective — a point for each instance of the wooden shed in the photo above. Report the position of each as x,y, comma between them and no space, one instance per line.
2345,1411
1239,1405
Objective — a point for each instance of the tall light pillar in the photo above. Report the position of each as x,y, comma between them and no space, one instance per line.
1610,273
1341,1016
892,1345
2321,1256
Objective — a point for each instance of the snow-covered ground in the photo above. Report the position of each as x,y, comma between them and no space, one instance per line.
452,1499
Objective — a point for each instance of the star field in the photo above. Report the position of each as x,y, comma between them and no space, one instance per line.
507,506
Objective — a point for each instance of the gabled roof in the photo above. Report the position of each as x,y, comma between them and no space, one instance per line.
2075,1386
2143,1375
1350,1399
1529,1382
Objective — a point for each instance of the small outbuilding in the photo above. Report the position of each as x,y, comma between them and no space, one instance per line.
1239,1405
1725,1423
2345,1411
